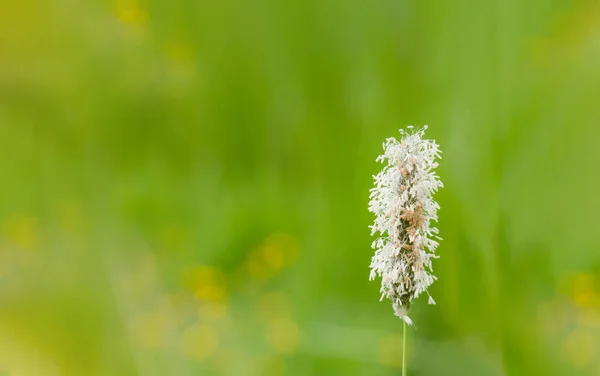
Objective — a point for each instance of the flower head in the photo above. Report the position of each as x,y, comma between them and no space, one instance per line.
404,209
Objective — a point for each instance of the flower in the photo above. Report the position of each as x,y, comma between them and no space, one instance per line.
404,209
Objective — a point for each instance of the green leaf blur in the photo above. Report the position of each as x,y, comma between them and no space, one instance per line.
184,185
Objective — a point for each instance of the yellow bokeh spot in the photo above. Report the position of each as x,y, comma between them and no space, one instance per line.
275,257
132,16
199,342
390,350
586,299
206,282
130,12
281,249
211,292
23,231
204,275
583,289
283,335
580,347
277,252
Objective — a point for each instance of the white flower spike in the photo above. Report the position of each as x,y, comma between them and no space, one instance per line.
404,209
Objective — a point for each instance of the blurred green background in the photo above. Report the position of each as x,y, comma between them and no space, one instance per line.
184,185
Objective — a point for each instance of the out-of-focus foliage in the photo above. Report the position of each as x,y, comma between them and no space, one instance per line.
184,185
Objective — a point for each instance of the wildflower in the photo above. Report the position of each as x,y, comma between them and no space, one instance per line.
404,209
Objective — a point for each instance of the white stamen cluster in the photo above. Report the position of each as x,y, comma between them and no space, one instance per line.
404,208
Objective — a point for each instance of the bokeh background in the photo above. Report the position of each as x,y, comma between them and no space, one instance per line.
184,185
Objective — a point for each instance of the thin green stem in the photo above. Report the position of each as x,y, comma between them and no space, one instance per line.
404,349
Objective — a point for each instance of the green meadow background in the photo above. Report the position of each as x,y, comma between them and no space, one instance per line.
184,185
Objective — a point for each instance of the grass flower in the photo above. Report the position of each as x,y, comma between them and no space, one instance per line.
404,211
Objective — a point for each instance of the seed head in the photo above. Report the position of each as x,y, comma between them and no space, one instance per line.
404,211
